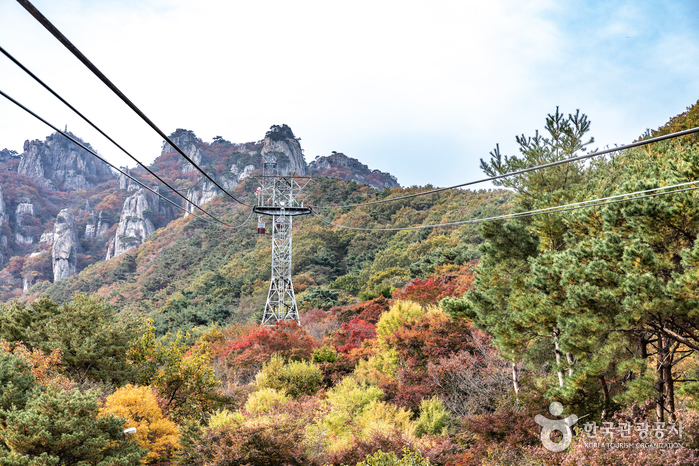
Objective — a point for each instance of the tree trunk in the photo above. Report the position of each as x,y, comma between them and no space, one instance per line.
558,356
515,377
660,356
571,362
669,388
605,394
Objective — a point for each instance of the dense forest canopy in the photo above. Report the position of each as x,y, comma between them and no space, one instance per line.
417,347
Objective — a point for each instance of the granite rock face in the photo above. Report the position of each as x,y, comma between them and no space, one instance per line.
59,164
23,209
65,245
188,142
4,216
97,225
281,144
205,190
136,223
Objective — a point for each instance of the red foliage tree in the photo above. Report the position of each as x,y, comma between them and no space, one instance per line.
351,335
425,341
245,356
433,290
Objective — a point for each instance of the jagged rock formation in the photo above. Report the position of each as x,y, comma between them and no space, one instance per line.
46,237
338,165
281,143
97,225
59,164
4,217
23,208
188,142
65,245
135,225
206,190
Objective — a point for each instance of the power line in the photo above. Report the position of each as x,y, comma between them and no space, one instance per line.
74,50
225,225
525,170
531,213
26,70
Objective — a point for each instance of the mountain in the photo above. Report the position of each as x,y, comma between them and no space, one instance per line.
61,209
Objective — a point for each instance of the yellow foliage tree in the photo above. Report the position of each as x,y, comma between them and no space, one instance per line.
154,432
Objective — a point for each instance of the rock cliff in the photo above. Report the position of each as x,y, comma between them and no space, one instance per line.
23,209
65,245
4,217
280,142
136,222
338,165
189,143
60,165
205,190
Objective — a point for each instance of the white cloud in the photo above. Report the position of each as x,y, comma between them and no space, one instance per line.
420,89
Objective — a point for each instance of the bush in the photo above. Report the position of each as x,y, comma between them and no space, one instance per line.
409,458
265,400
434,418
296,378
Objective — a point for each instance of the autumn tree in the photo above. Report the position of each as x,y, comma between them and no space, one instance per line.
138,406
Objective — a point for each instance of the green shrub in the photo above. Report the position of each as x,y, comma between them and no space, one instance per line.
434,418
410,458
263,401
295,377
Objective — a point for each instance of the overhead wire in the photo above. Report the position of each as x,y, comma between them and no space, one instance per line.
55,94
520,172
531,213
79,55
68,136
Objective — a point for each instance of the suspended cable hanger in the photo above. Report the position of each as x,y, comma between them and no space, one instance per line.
79,55
68,136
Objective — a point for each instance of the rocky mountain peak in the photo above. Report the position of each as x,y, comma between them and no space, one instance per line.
281,144
59,164
189,143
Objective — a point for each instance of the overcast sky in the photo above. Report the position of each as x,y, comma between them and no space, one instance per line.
421,89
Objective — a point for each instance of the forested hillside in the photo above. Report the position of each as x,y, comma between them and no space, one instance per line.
454,346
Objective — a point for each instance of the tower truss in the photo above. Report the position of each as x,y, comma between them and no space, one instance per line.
282,198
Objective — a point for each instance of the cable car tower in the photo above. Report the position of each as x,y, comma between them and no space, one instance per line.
282,198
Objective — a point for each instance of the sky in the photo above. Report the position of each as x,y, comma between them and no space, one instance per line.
420,89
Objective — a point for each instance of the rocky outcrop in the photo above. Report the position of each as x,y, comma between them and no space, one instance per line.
136,224
338,165
205,190
46,237
4,217
188,142
97,225
281,145
60,164
65,245
23,209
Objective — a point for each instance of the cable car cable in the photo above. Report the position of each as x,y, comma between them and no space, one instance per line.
531,213
223,224
24,68
525,170
74,50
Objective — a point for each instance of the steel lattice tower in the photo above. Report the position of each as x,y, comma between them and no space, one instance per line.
280,197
